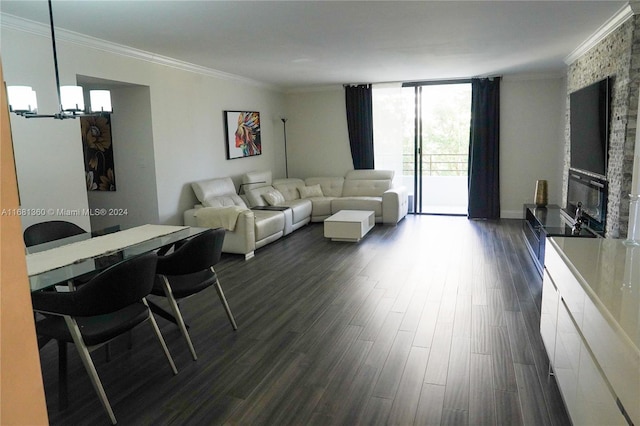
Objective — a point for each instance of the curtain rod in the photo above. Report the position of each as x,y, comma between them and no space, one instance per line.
435,82
425,82
449,81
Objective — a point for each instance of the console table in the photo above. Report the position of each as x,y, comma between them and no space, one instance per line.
542,222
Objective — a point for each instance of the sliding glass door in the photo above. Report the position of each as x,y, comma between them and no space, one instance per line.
422,132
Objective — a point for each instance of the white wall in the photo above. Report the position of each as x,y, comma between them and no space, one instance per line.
531,140
135,202
186,119
531,131
317,135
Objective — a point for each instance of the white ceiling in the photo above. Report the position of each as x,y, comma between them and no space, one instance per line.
294,44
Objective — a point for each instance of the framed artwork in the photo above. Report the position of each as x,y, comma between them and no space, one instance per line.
242,130
98,152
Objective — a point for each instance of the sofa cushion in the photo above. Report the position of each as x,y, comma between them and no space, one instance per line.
273,197
224,201
321,206
357,203
331,186
370,175
205,189
289,187
365,188
255,197
310,191
301,209
256,179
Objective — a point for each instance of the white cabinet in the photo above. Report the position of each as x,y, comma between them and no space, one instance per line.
584,388
549,315
579,340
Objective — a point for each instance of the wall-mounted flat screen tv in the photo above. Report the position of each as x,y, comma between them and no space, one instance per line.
589,126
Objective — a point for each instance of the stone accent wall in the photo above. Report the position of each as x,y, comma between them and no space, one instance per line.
617,56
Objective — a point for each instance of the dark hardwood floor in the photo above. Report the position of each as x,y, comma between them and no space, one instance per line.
434,321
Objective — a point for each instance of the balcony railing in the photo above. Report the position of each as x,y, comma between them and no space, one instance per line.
437,164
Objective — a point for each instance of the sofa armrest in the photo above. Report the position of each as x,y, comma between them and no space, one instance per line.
189,217
242,240
395,205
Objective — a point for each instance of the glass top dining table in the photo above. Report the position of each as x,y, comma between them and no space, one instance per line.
88,264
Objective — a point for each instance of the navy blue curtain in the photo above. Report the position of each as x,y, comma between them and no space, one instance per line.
359,105
484,149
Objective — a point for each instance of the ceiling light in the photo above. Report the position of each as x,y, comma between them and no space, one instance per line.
22,99
72,98
100,100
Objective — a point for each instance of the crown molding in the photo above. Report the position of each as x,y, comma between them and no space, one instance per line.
551,75
621,16
32,27
311,89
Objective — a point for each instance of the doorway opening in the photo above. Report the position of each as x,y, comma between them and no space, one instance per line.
421,131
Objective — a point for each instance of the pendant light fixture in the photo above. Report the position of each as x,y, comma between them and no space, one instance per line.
23,101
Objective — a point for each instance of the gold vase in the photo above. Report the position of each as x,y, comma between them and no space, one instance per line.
542,197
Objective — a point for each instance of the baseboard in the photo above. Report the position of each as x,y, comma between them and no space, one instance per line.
511,214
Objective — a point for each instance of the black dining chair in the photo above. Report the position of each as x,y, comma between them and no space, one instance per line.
44,232
52,230
189,270
110,304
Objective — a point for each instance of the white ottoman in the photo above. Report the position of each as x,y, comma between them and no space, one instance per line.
349,225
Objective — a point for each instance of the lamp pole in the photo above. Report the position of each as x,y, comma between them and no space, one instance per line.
286,164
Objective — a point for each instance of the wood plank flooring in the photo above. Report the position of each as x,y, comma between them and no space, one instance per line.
434,321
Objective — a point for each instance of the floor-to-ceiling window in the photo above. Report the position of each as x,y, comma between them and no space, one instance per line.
422,132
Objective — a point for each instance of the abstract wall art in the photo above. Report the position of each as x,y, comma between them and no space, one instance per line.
97,147
242,129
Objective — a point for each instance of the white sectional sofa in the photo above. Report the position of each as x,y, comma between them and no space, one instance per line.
220,206
270,209
258,186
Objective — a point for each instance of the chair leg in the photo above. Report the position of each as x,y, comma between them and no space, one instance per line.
89,366
162,313
224,303
63,390
177,315
156,330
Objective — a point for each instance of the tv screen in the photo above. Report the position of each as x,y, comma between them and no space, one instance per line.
589,126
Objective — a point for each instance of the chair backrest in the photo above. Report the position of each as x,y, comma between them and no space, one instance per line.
44,232
197,254
116,287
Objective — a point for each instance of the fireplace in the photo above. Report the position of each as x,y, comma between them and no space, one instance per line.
592,193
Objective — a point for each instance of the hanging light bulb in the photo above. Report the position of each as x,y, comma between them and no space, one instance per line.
100,100
22,99
72,98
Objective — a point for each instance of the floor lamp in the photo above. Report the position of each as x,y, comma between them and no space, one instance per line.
286,164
